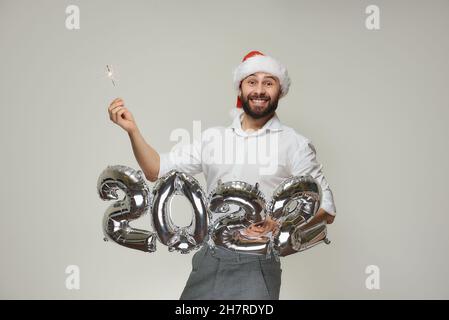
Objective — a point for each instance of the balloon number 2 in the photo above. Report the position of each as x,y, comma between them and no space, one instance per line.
234,216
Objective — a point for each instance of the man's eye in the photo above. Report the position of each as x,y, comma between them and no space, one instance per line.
269,84
251,82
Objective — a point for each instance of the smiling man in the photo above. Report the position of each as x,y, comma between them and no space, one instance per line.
260,81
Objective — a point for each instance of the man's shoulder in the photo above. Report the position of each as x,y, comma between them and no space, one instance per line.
294,136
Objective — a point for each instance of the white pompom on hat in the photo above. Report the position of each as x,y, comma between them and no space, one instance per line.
256,61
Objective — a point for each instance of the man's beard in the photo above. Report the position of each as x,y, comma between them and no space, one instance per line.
270,109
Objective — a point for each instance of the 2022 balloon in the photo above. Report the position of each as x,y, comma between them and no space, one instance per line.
226,218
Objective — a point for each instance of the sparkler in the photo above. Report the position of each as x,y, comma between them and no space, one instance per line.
110,73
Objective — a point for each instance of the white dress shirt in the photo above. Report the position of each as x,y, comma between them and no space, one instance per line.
267,156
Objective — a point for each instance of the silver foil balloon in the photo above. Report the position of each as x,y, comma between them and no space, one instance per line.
235,216
183,239
294,203
135,203
235,206
308,235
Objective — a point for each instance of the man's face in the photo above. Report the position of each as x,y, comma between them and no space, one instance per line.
259,93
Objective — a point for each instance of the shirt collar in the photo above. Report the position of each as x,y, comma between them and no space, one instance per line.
274,124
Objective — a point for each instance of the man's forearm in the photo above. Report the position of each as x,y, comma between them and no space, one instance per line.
147,158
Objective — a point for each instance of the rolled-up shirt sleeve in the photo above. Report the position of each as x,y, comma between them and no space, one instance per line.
183,157
304,162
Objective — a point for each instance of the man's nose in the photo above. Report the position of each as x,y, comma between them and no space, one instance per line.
260,89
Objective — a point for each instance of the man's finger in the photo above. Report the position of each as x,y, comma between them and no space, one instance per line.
116,102
120,112
116,108
114,112
113,101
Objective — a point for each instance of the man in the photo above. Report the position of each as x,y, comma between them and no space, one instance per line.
260,81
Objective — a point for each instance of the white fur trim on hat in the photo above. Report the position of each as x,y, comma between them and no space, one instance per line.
266,64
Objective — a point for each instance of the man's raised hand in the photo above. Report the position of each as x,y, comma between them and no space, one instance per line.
121,116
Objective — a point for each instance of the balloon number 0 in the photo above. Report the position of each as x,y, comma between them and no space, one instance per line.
235,216
181,239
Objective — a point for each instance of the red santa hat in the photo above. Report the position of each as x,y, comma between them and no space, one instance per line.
256,61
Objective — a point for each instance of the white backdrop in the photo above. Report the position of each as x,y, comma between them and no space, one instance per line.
374,103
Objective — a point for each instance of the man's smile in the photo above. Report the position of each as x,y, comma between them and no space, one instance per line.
259,102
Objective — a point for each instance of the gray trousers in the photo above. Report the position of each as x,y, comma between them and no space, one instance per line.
225,275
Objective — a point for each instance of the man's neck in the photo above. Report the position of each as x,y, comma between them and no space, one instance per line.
249,123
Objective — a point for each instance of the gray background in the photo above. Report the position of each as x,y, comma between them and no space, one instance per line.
374,103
